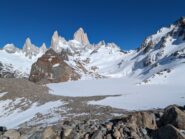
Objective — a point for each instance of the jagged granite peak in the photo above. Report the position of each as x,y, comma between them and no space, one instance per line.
55,36
30,49
81,36
57,42
54,40
43,48
10,48
27,44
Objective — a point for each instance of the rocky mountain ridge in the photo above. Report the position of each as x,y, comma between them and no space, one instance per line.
160,52
30,53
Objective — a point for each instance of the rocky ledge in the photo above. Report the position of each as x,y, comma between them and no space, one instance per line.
168,123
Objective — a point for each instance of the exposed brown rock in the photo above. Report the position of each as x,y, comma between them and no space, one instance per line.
51,67
117,134
142,120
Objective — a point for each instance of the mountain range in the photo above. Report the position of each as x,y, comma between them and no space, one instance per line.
77,59
78,80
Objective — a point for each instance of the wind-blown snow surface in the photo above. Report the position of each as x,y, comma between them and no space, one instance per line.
133,94
12,116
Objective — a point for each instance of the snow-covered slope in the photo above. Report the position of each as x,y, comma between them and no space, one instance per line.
15,62
15,118
129,94
163,51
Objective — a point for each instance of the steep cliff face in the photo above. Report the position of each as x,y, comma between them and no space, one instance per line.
81,36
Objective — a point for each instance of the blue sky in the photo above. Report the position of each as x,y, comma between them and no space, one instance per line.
125,22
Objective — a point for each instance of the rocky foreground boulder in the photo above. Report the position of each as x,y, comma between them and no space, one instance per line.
174,116
51,67
168,132
134,125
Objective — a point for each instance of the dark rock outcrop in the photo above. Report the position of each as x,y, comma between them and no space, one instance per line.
167,132
51,67
173,115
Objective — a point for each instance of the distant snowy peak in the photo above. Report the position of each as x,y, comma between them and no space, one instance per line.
16,62
58,43
81,36
30,49
43,48
10,48
54,40
79,41
79,44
